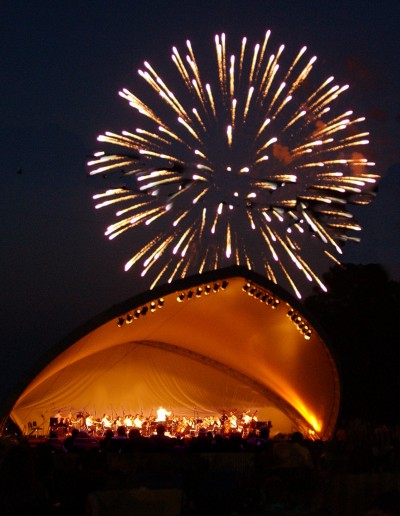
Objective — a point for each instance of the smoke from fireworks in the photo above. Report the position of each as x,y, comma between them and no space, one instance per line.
245,169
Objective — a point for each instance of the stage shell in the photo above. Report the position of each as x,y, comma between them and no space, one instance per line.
225,340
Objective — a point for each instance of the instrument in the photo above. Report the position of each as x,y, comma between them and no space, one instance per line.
183,429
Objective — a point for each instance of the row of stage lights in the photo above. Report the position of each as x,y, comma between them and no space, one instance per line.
300,323
140,312
152,307
262,295
203,290
266,297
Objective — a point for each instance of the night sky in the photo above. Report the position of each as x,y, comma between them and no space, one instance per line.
62,65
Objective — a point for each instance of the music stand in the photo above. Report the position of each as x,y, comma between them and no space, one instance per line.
33,428
53,424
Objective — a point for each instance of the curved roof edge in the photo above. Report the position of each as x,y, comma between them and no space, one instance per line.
143,298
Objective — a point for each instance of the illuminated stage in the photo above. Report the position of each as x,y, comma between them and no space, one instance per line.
224,340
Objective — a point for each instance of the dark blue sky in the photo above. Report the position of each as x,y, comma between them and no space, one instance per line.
62,64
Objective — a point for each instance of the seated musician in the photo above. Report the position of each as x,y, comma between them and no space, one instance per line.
89,422
217,422
118,422
138,421
128,422
233,421
68,420
59,417
106,421
254,420
246,418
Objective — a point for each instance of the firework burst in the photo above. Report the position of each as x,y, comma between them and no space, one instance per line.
250,168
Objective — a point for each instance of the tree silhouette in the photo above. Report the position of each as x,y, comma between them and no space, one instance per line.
360,315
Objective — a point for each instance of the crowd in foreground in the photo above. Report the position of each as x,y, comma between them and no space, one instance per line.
123,441
255,474
356,447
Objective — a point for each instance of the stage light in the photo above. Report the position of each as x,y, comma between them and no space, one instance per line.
136,314
153,306
128,319
144,310
224,284
161,302
300,323
198,292
216,287
181,297
190,294
246,287
207,289
120,322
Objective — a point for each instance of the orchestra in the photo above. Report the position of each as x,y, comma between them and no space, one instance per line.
225,423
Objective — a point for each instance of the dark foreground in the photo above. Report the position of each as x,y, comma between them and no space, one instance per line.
196,478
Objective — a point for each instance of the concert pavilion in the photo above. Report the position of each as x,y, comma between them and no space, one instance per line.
227,340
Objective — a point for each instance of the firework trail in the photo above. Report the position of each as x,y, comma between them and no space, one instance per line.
250,168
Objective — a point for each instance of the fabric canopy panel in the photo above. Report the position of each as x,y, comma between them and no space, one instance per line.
200,346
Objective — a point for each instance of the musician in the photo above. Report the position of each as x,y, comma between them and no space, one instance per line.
68,421
184,426
217,422
223,418
244,423
162,414
118,422
254,419
246,418
128,421
233,421
59,417
78,422
190,421
138,421
106,421
89,422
